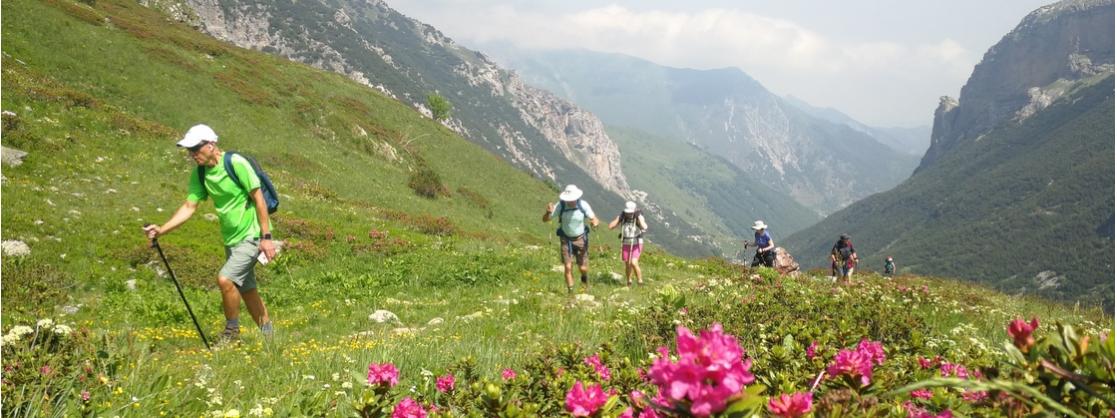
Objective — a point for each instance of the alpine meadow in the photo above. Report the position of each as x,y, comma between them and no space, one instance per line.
416,279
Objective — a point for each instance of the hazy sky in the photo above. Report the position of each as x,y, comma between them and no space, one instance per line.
885,63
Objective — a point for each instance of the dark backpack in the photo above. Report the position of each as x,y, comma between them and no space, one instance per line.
271,197
562,210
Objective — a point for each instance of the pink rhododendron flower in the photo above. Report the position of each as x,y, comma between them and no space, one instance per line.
926,363
650,413
790,406
600,368
508,374
873,349
921,394
914,411
408,408
1021,333
584,401
383,374
811,350
948,369
85,396
852,363
445,383
975,395
711,368
628,413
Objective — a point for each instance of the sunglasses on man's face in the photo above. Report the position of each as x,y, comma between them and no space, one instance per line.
196,148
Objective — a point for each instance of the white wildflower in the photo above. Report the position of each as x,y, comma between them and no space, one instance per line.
63,330
347,385
21,330
256,411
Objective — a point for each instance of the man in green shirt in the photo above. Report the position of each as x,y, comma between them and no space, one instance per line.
245,228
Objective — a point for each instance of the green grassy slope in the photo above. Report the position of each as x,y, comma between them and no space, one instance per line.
714,195
1023,199
98,104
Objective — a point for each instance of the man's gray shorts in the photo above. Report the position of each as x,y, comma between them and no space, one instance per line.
240,264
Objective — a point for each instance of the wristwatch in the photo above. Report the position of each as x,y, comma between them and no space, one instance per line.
266,236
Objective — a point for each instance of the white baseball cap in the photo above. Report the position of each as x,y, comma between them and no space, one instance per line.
629,207
197,135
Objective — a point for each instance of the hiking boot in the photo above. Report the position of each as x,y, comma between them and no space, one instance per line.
585,280
268,330
230,335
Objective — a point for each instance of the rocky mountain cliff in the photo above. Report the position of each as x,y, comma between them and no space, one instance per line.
406,59
907,140
823,165
1017,189
1026,71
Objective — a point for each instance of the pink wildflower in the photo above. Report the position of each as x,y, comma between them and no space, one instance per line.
650,413
445,383
790,406
584,401
948,369
921,394
600,368
383,374
408,408
85,396
44,370
711,368
926,363
975,395
914,411
508,374
811,350
873,349
628,413
852,363
1021,333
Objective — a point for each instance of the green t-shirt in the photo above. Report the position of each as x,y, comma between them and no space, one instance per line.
234,210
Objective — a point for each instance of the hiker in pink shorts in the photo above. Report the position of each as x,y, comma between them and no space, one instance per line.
633,227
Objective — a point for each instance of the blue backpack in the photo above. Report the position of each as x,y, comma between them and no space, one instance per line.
271,197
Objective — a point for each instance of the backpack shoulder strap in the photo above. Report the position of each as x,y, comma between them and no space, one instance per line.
202,178
581,209
229,168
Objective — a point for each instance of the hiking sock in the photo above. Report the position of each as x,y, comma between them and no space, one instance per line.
570,290
232,324
267,329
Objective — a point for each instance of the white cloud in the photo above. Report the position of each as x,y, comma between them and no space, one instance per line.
783,55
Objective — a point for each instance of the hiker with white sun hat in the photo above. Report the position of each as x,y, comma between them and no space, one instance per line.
633,226
765,247
574,242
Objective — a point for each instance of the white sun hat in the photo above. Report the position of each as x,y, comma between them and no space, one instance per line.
196,135
758,225
629,207
571,193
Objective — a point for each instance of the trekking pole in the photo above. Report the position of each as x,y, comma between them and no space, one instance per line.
155,243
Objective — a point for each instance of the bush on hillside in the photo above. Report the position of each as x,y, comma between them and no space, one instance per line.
427,183
440,107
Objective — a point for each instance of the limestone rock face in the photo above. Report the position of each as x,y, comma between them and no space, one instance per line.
405,59
1031,67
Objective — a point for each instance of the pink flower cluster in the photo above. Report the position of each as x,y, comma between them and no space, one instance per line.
408,408
583,401
811,350
948,369
921,394
915,411
859,362
1021,333
445,383
508,374
383,374
711,369
791,406
926,363
598,367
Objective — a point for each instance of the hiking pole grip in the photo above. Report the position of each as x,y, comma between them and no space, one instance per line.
155,243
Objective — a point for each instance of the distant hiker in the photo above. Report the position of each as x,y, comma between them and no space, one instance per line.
843,258
245,227
889,266
574,238
765,247
633,226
